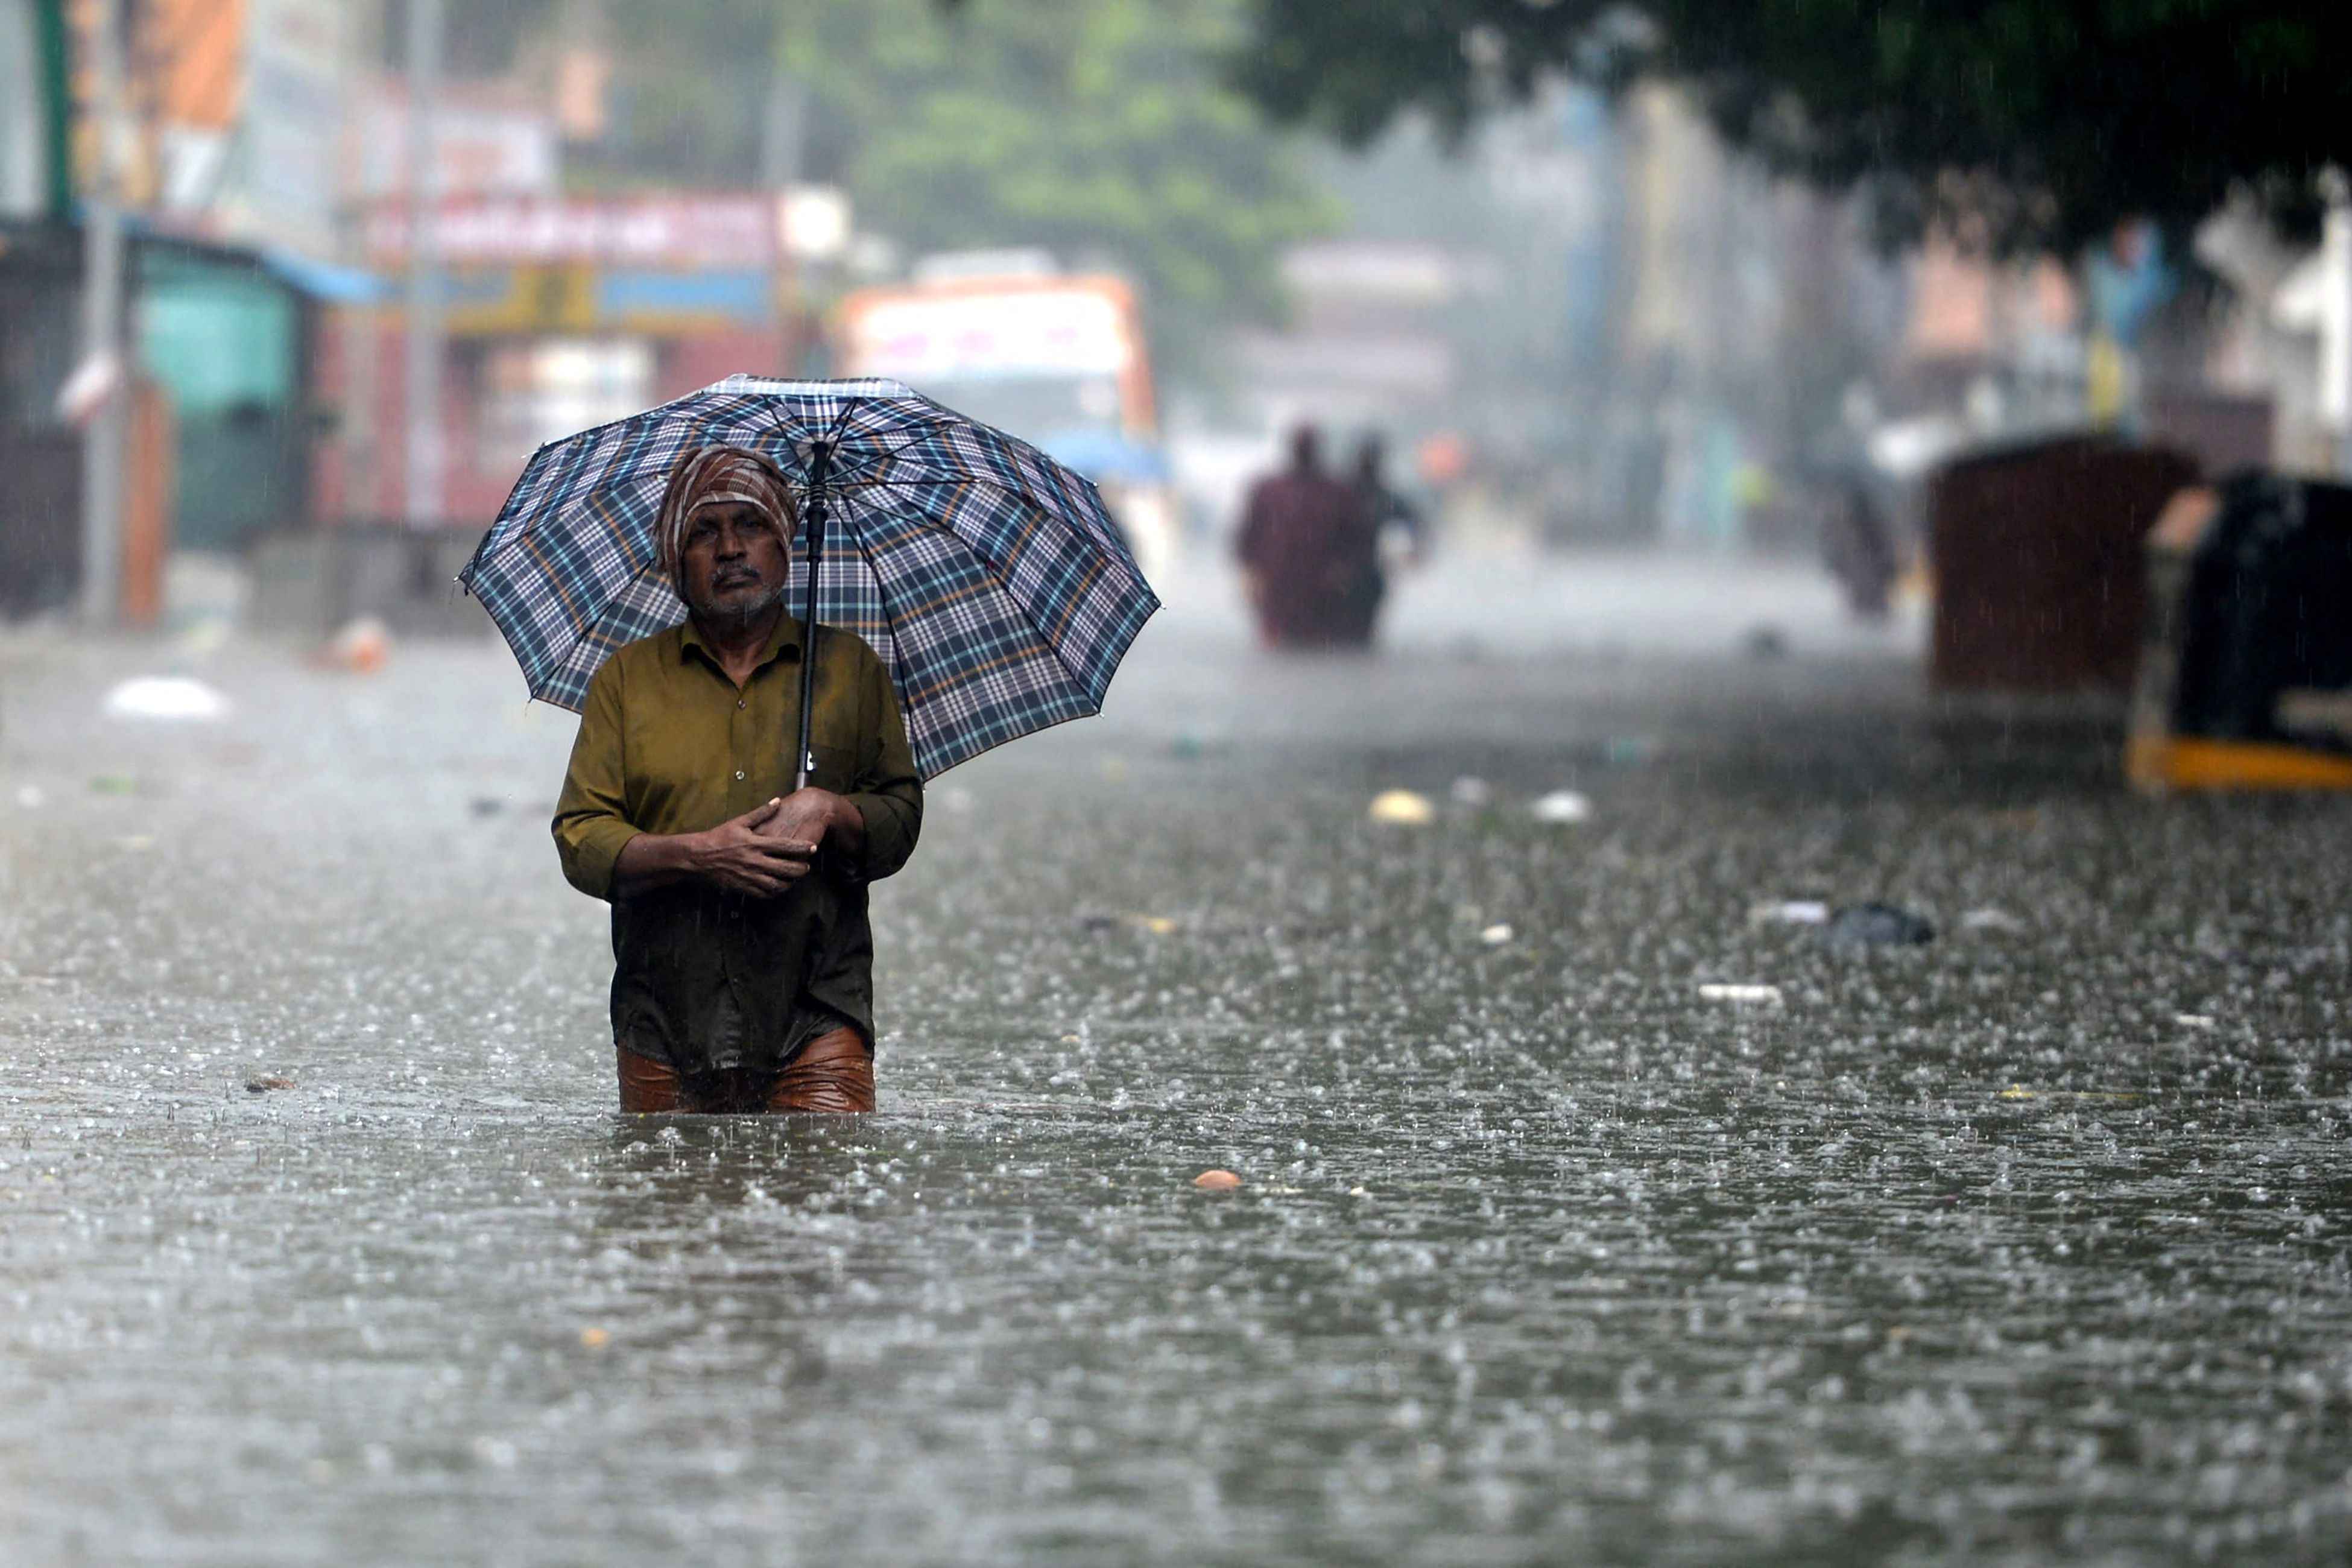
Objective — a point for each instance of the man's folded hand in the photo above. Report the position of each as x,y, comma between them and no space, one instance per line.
748,855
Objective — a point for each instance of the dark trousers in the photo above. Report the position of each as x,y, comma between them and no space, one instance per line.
832,1072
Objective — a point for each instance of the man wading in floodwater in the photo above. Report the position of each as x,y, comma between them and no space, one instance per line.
744,962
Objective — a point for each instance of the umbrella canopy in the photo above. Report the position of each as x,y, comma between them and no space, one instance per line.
996,589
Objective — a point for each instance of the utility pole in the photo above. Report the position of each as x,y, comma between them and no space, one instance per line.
104,439
361,426
423,490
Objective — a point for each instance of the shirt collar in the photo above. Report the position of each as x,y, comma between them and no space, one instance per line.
787,635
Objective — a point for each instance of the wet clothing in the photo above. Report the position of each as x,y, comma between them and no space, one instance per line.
1383,509
1860,554
711,982
1306,543
834,1072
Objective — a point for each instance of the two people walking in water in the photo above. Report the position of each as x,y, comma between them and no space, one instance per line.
1309,546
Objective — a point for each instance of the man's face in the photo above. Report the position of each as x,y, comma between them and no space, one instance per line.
733,564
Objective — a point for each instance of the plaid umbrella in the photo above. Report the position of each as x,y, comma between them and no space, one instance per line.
988,578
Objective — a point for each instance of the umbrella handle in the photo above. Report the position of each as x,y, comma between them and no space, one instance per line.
820,459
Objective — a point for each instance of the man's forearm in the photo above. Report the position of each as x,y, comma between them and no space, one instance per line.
653,860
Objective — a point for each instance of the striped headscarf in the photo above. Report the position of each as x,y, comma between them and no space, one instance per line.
714,476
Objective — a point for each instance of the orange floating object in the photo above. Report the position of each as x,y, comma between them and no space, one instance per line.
1216,1179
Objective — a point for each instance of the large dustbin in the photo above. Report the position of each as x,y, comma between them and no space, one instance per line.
2246,677
2036,551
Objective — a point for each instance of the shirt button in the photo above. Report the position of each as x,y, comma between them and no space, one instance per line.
739,776
738,703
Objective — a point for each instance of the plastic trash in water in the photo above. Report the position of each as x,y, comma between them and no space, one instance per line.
1471,793
361,646
1789,912
172,698
1402,808
1217,1181
1561,808
1991,920
1876,925
1745,995
1495,935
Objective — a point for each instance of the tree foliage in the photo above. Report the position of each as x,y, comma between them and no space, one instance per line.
1100,129
2045,122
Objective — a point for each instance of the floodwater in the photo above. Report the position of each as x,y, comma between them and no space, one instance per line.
2028,1245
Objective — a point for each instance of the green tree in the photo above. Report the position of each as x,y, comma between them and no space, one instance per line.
2045,120
1100,129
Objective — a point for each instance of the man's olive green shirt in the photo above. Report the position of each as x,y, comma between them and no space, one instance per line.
706,980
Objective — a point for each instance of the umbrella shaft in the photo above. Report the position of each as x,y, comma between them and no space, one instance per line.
820,459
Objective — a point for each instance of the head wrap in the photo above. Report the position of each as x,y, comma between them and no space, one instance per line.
715,476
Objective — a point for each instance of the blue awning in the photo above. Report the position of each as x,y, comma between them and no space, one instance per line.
327,280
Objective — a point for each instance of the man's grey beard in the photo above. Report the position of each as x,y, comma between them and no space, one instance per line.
739,618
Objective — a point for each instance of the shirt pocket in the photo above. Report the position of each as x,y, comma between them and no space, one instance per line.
836,767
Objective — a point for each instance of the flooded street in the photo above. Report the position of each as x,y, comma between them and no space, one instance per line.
319,1239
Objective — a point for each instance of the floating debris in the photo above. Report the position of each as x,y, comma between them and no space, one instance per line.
361,646
1745,994
2019,1092
1789,912
264,1084
176,699
1991,920
2195,1020
597,1339
1495,935
1402,808
1217,1181
1158,925
1876,925
1561,808
1471,793
1628,751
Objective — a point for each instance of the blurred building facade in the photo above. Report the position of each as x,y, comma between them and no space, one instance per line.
263,166
225,168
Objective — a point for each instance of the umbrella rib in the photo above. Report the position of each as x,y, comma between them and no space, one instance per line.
881,590
1067,523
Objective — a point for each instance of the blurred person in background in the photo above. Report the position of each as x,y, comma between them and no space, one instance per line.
1303,544
1387,517
743,959
1860,551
